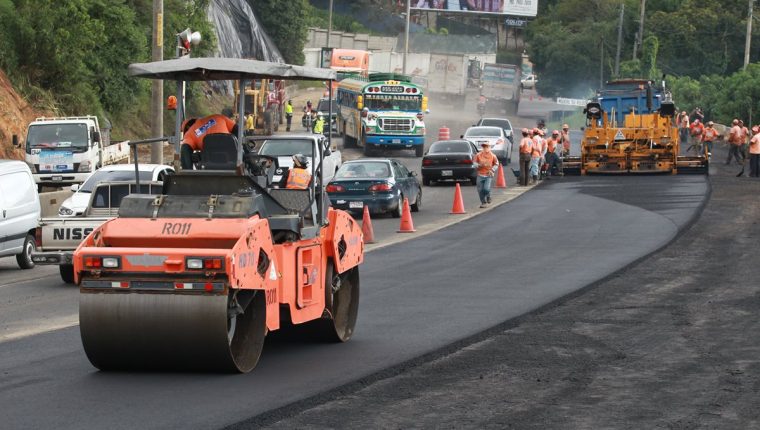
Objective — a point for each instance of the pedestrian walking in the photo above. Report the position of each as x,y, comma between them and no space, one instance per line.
487,164
526,145
754,153
734,143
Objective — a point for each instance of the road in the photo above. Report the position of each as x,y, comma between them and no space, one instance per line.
418,297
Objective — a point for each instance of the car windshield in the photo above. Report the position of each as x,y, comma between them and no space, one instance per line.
112,176
483,132
283,147
442,147
324,107
497,123
364,169
393,102
48,136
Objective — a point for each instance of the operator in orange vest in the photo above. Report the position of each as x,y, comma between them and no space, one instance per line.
299,177
525,149
196,129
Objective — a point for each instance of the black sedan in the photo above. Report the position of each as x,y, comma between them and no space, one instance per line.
450,159
380,184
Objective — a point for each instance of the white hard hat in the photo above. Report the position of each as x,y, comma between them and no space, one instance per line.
319,113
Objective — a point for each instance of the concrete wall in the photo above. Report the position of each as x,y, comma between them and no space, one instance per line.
317,38
51,201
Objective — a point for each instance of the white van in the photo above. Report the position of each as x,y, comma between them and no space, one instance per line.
19,212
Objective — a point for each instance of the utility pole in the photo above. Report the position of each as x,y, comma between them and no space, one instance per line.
640,34
406,32
620,40
601,66
749,35
157,95
329,24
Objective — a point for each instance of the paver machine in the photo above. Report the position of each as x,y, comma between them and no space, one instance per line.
630,129
194,278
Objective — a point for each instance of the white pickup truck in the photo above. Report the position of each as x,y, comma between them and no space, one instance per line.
283,147
64,150
58,238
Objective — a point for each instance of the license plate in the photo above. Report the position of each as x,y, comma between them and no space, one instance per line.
447,173
57,178
395,140
355,205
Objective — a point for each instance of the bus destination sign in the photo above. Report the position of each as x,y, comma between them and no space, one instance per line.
392,89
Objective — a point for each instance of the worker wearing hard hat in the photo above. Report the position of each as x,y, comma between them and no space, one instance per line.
754,153
526,145
709,135
289,114
196,129
319,124
299,177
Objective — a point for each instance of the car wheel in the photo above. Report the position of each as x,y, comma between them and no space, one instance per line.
24,259
400,209
425,181
67,273
417,202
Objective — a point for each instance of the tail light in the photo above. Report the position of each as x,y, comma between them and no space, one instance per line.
381,187
427,162
204,263
102,262
38,237
332,188
466,161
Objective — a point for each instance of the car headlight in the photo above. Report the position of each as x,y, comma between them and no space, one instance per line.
64,211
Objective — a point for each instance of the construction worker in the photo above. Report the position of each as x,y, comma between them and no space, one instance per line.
695,135
487,164
249,124
526,145
754,153
308,113
289,114
683,128
745,139
735,143
709,135
299,177
194,130
535,155
565,140
319,124
552,154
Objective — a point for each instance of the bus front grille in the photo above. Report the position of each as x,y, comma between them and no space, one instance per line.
396,124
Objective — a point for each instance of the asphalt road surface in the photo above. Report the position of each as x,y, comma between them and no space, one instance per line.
418,297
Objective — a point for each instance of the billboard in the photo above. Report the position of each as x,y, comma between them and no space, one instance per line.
502,7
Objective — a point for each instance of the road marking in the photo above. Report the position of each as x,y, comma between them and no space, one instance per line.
35,329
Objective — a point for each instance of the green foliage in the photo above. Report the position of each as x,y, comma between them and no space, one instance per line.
320,18
681,37
286,23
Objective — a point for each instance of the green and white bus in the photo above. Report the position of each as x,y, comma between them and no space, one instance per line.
385,111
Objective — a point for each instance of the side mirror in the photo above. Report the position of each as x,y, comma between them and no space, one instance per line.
96,136
412,173
74,188
14,139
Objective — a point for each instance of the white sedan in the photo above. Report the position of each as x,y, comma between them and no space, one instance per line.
529,82
77,203
500,145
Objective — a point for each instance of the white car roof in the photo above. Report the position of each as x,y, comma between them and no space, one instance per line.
501,130
145,167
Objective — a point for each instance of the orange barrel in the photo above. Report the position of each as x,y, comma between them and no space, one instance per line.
443,133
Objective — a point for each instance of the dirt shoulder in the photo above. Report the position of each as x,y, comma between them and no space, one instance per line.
671,342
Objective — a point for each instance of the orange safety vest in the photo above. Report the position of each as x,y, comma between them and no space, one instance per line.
525,145
552,144
709,134
536,147
205,126
754,144
486,162
298,179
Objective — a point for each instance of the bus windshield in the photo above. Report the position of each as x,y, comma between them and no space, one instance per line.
393,102
51,136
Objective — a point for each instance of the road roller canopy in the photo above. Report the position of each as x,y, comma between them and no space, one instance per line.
213,68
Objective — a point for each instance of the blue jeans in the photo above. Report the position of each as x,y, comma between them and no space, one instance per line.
484,187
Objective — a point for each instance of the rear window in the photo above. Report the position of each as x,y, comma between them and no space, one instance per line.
497,123
113,176
367,169
442,147
282,147
483,132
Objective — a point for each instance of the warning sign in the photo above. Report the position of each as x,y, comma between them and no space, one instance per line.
619,135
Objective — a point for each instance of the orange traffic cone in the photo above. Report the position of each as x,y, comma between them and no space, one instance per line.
501,182
367,231
458,206
406,226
